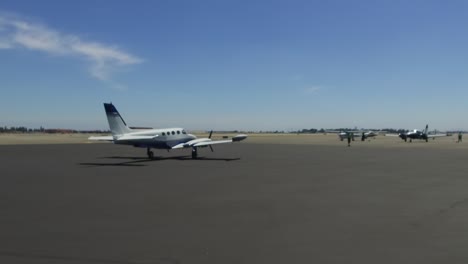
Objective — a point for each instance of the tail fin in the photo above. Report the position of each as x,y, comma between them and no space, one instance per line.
426,130
116,123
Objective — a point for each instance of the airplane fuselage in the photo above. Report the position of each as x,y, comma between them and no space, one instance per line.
163,138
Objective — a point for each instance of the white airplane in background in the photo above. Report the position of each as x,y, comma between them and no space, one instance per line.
418,134
368,134
343,134
164,138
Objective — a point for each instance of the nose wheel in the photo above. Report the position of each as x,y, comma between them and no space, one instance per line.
194,153
150,153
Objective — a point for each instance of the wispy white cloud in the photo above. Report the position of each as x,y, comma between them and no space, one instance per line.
104,59
312,89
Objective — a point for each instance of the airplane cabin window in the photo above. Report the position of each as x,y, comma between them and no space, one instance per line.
163,133
173,133
178,132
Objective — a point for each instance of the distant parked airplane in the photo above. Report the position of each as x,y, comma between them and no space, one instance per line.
342,135
164,138
368,134
418,134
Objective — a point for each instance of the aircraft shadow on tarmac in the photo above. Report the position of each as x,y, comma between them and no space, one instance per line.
139,161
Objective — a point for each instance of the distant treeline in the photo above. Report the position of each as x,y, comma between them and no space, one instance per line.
22,129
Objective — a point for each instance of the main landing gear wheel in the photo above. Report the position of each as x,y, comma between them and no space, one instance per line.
150,154
194,153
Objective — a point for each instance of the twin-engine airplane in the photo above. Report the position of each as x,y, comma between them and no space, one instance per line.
164,138
418,134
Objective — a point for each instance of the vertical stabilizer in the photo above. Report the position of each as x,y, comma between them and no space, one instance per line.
116,123
426,130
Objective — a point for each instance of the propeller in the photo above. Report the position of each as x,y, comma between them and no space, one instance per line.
211,133
403,136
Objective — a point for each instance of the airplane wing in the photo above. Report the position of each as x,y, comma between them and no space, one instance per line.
203,142
344,131
437,135
213,142
122,138
392,135
136,138
102,138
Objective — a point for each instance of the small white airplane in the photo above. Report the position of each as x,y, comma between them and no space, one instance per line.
418,134
361,134
163,138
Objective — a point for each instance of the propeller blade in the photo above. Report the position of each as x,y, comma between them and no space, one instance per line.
211,133
212,150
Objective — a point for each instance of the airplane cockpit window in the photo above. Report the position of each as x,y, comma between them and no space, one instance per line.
183,132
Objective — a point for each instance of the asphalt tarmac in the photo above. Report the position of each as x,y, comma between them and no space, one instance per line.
244,203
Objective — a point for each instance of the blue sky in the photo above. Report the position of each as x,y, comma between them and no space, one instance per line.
227,64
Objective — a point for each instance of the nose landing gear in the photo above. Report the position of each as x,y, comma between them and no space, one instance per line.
150,153
194,153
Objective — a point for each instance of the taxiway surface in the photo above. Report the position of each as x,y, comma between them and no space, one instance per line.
244,203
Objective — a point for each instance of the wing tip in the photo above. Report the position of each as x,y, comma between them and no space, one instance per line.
239,137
